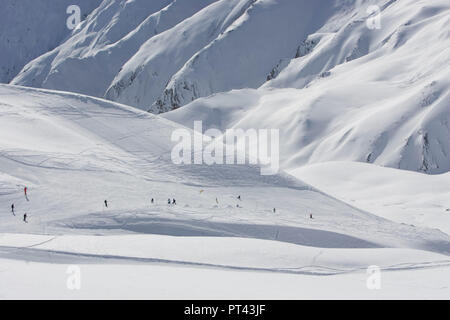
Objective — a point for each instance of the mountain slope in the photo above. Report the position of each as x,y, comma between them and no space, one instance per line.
398,195
93,56
245,54
88,60
338,90
144,66
74,151
30,28
146,75
88,157
389,107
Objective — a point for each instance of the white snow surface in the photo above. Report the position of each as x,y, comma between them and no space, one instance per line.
30,28
74,151
338,90
397,195
364,128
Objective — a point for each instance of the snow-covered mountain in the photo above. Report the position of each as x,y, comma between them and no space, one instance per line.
339,88
160,55
30,28
378,96
352,85
89,61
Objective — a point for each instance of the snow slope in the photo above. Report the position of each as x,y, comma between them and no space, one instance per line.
145,76
339,90
166,57
30,28
390,107
160,281
397,195
88,61
73,151
269,33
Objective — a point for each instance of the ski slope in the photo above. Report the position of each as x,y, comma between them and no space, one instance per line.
74,151
397,195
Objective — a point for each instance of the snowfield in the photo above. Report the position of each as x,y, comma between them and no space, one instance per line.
155,281
362,105
397,195
31,28
339,90
74,151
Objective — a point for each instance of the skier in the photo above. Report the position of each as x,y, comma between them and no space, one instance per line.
106,203
153,201
25,192
12,209
217,201
174,201
168,201
310,216
25,218
239,197
274,210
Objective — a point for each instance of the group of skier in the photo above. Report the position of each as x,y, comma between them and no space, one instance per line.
174,202
13,207
169,201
